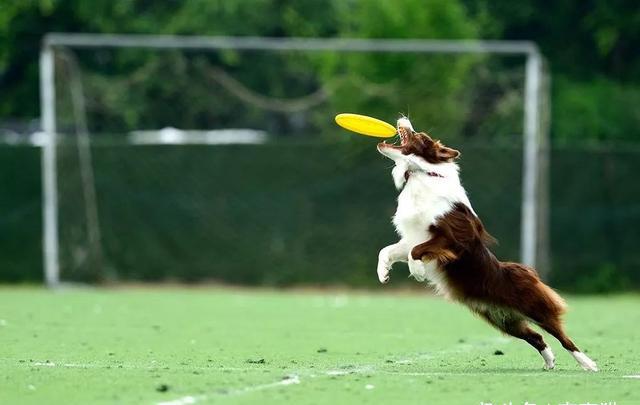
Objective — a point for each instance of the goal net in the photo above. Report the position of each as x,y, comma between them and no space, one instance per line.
191,159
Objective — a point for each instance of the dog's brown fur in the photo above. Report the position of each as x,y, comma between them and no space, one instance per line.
504,294
507,295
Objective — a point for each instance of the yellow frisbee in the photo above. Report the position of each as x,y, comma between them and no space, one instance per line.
365,125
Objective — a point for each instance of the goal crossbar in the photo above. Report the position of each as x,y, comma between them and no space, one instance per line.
533,134
289,44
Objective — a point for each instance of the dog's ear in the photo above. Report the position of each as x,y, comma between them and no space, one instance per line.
445,153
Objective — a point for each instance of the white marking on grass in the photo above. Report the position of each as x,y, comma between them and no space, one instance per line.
470,373
354,370
187,400
294,379
68,365
375,368
182,401
3,322
135,367
336,372
632,376
369,386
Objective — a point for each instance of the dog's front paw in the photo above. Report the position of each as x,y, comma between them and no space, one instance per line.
383,273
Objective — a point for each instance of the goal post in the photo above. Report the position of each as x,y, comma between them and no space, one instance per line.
533,238
49,168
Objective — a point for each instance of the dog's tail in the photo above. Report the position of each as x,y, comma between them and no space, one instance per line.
554,300
534,298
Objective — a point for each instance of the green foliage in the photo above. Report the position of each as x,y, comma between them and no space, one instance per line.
23,23
428,88
405,19
604,278
596,110
604,37
592,49
132,89
582,38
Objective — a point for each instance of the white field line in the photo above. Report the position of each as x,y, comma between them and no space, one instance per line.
632,376
250,388
134,367
306,373
542,372
368,369
365,368
330,373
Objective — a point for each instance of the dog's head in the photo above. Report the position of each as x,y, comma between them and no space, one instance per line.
418,152
417,144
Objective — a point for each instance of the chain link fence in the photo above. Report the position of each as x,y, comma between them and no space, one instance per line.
308,213
279,213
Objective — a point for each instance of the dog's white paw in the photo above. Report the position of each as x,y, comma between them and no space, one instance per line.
384,266
585,362
549,358
383,273
417,269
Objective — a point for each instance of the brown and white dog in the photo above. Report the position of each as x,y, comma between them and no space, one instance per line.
445,243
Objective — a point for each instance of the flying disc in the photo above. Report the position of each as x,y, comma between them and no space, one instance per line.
365,125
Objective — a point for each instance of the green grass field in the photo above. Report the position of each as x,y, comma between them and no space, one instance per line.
181,346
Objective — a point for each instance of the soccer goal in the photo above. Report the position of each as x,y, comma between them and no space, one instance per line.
216,158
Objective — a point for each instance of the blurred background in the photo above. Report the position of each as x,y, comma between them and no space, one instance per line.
226,166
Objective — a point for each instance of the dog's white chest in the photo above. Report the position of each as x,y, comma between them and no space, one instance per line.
422,202
419,207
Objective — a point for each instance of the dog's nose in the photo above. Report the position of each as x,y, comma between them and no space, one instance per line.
405,123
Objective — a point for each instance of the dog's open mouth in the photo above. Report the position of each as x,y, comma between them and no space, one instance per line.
404,134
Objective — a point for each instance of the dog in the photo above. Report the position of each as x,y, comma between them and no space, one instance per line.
446,244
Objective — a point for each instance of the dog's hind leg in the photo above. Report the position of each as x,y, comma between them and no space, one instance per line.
516,326
523,331
554,327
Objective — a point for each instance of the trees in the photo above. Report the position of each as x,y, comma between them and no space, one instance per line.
382,84
24,22
118,105
591,45
592,48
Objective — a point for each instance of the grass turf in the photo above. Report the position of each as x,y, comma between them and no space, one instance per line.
245,346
